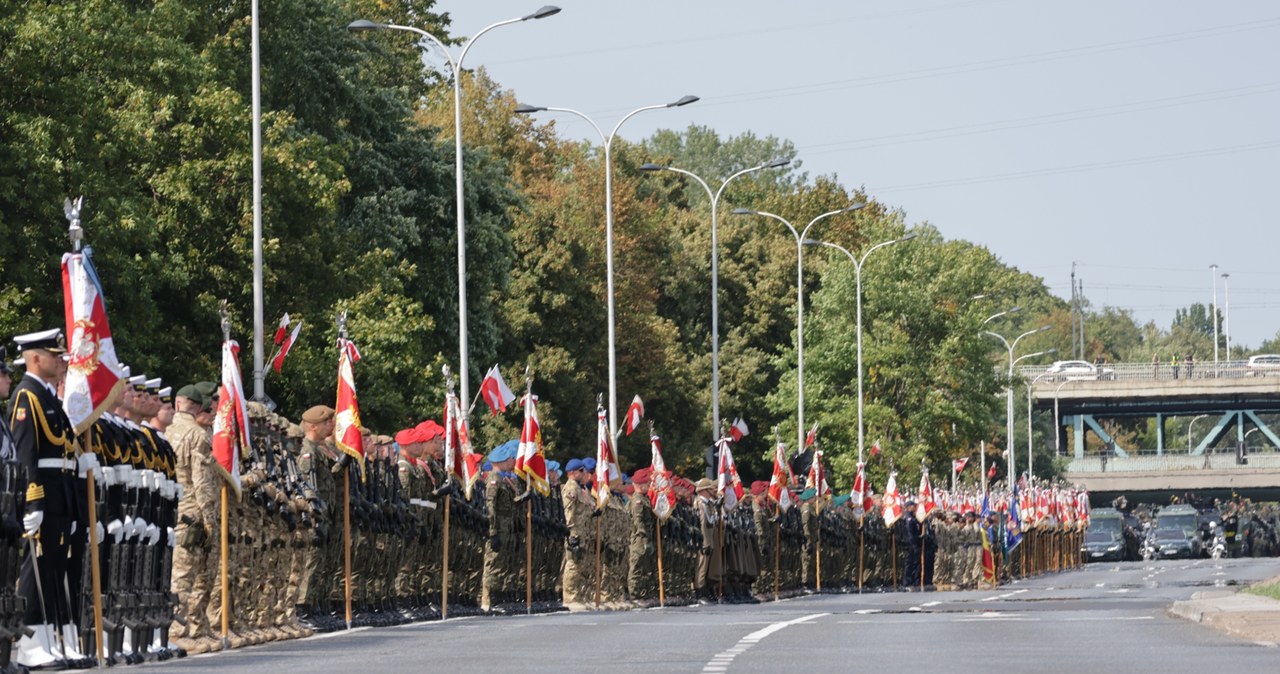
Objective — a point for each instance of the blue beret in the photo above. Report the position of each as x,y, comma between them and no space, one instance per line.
486,466
504,452
574,464
553,466
589,464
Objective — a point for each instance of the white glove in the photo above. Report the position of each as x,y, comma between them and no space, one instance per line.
152,534
108,476
180,491
116,529
124,475
73,527
87,462
173,537
146,479
31,522
130,527
102,532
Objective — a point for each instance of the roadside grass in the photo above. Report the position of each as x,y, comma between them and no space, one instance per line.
1270,588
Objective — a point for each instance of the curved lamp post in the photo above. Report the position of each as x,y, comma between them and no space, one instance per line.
607,141
857,268
1009,390
800,238
715,274
363,25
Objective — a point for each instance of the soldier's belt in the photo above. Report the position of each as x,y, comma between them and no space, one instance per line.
56,464
422,502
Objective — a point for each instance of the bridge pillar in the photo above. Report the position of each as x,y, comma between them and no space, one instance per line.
1077,421
1159,434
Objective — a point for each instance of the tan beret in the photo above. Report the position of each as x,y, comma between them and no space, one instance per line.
318,414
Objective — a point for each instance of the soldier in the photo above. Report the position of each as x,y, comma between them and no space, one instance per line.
318,463
12,490
642,557
578,506
500,497
197,524
710,569
45,447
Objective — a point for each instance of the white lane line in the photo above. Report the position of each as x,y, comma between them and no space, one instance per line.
1005,595
931,603
720,662
867,611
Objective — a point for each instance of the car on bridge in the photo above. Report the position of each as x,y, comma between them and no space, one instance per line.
1077,370
1262,364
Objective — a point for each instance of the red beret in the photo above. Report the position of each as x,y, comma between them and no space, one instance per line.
408,436
428,430
759,487
641,475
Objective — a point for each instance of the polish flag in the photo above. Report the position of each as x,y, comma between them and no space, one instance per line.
346,430
781,478
926,504
459,458
634,414
280,331
959,464
608,474
231,422
738,430
661,494
892,501
495,391
811,437
531,462
278,362
861,490
728,484
94,375
875,448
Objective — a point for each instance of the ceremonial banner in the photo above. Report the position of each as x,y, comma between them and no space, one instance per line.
925,505
497,395
460,460
231,422
661,494
94,376
346,430
728,484
892,502
634,414
283,347
780,482
861,492
738,430
608,475
531,462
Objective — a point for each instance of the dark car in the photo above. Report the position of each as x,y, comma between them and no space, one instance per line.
1173,543
1103,546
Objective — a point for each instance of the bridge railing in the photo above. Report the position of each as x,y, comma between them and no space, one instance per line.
1144,371
1169,463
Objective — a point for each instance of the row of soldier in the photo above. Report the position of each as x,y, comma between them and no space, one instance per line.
160,503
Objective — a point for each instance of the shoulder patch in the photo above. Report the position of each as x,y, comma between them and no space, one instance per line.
307,455
21,414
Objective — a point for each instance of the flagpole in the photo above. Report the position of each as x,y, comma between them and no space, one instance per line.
720,550
98,646
598,553
444,549
862,538
817,550
662,591
982,457
777,569
528,545
226,585
346,539
923,527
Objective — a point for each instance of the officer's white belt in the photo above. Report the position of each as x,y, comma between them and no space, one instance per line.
56,464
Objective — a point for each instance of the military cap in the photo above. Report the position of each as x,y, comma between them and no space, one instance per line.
589,463
293,430
486,467
759,487
208,388
504,452
553,467
153,386
51,340
166,395
429,430
4,360
138,382
641,476
703,484
840,500
408,436
574,464
318,414
808,494
192,393
909,503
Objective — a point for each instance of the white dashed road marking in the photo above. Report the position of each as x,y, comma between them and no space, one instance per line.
721,661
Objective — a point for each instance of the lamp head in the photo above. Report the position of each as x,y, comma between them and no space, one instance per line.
543,12
525,109
814,242
652,167
857,205
744,211
363,25
777,163
910,237
684,100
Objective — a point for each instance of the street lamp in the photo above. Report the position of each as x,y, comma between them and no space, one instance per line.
1190,426
364,25
993,317
800,238
1213,316
1226,316
857,268
607,141
1009,388
1057,420
1029,387
715,275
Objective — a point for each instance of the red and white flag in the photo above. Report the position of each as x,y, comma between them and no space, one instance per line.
531,462
281,331
817,478
608,475
892,501
959,464
661,494
231,422
460,460
94,375
861,492
283,347
991,472
728,484
925,505
875,448
346,429
780,482
811,437
497,395
738,430
634,414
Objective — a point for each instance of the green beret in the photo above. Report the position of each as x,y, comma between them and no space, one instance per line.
191,393
808,494
840,500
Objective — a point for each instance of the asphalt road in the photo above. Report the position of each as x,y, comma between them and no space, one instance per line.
1105,617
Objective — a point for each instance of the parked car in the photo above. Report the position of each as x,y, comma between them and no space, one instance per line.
1262,364
1078,370
1173,543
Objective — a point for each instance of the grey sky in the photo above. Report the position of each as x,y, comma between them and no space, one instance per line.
1137,138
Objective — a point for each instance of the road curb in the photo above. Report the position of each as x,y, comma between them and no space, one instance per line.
1238,614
